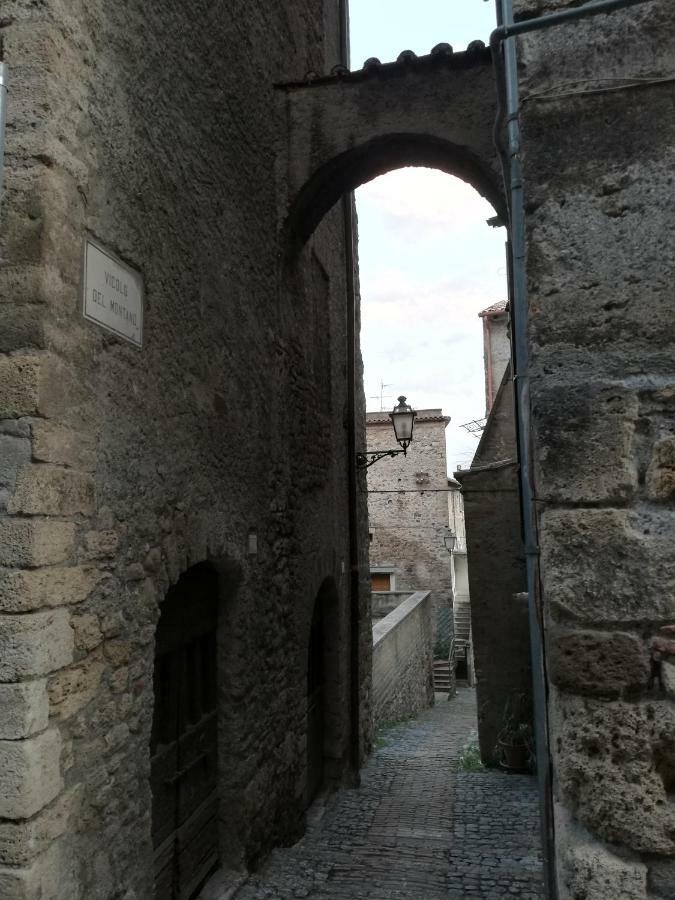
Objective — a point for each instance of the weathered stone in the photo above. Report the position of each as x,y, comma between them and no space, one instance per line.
87,631
598,662
668,678
61,446
101,544
34,644
661,877
661,471
608,565
591,871
615,766
37,542
25,709
19,382
30,774
21,840
53,874
585,442
23,591
52,491
72,688
14,453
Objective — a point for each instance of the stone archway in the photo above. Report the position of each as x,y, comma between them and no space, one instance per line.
436,111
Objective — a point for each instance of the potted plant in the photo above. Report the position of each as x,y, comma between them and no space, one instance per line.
515,746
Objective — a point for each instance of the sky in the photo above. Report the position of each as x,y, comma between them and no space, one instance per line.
429,263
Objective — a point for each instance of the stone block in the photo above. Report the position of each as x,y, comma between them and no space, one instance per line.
23,329
615,765
71,689
585,435
661,877
14,453
30,774
34,644
608,565
19,386
61,446
591,871
26,590
660,481
21,840
37,542
52,491
51,875
101,544
598,662
87,631
25,709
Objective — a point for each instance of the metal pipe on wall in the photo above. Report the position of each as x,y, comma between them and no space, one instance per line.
4,85
352,473
509,112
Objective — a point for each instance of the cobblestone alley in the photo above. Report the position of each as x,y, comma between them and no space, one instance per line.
416,829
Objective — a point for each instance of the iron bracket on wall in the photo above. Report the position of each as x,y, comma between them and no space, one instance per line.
364,460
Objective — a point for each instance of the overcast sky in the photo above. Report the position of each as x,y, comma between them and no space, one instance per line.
429,262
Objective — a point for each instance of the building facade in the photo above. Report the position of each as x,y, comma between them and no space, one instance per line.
176,605
408,517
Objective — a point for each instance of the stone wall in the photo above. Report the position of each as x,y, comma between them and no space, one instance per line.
402,661
601,266
408,511
496,563
155,127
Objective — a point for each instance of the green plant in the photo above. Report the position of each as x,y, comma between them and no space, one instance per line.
515,741
469,759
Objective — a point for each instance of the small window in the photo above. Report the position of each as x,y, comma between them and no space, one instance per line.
380,581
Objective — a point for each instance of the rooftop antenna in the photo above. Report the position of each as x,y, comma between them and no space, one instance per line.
382,396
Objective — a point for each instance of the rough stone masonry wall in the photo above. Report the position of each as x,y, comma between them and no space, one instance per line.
156,128
599,171
496,562
408,513
403,661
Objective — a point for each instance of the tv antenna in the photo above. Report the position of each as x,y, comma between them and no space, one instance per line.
382,396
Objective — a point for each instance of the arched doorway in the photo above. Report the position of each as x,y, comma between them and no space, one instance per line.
184,745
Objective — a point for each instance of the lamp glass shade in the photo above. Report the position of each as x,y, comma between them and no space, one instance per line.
403,420
450,540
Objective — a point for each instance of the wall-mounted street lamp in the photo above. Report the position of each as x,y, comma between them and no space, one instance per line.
450,540
403,419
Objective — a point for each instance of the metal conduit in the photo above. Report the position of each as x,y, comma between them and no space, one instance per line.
506,71
352,474
4,80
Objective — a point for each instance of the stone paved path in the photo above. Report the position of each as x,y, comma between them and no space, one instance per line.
416,829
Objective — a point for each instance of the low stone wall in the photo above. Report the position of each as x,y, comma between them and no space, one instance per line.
385,602
403,660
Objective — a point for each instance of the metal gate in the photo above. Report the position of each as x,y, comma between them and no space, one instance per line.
184,744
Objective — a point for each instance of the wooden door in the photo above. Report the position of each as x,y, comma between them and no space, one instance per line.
315,708
184,740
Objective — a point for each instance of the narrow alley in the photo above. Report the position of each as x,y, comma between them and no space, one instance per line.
417,829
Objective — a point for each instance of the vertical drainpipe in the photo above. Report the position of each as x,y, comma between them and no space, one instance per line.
520,351
4,78
352,474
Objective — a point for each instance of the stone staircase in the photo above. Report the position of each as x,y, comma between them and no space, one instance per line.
442,679
462,616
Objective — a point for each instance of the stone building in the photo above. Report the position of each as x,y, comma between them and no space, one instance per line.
496,348
408,516
207,148
178,609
